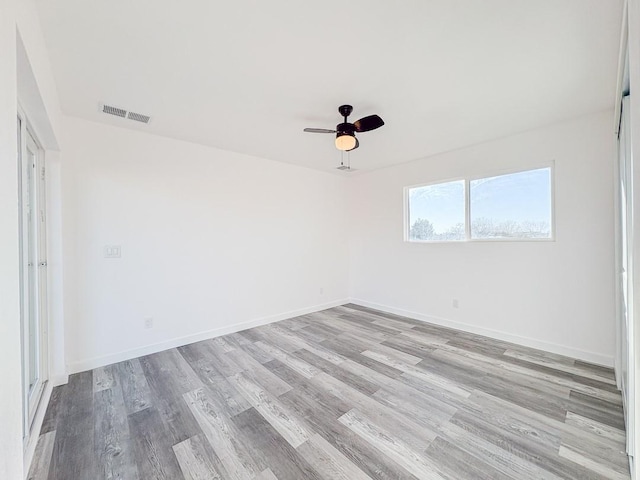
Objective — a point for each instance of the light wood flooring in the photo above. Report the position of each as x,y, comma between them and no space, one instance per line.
348,393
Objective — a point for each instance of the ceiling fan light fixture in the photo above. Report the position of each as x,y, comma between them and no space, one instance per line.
345,141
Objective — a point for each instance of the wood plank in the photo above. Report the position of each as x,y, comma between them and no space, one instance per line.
521,444
223,436
153,447
420,374
197,460
290,426
336,371
607,372
135,389
456,464
350,348
324,421
543,378
224,344
568,434
406,345
221,392
388,444
328,461
208,353
103,378
597,428
274,336
300,366
56,405
330,406
497,457
583,372
169,374
266,475
394,354
403,428
616,461
260,373
39,469
114,449
271,450
73,452
257,353
593,465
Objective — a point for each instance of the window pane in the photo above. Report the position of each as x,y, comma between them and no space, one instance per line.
436,212
517,205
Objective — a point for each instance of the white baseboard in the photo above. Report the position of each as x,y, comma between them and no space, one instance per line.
591,357
58,380
91,363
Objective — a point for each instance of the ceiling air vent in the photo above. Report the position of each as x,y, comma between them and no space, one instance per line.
138,117
120,112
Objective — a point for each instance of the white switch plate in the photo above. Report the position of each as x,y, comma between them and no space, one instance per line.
112,251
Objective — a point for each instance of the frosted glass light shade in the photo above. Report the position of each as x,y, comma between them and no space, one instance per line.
345,142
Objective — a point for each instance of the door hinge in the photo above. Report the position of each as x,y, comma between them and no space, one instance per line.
42,173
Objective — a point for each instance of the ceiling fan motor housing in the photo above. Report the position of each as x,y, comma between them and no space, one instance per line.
345,129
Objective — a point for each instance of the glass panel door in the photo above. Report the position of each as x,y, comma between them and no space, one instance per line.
627,357
32,270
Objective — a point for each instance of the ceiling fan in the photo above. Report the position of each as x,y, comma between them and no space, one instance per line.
346,132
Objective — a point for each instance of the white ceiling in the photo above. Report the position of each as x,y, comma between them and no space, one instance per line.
249,75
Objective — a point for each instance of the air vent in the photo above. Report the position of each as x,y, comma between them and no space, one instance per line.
120,112
138,117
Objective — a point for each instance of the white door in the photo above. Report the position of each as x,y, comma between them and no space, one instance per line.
33,267
625,235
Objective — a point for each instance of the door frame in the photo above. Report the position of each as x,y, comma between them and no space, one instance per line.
32,399
625,280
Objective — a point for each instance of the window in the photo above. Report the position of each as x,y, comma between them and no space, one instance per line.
436,212
517,205
514,206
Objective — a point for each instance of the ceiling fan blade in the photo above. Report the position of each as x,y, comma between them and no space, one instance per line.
357,145
319,130
369,123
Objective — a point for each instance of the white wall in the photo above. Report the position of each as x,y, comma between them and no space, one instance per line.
554,295
212,241
43,115
19,33
10,373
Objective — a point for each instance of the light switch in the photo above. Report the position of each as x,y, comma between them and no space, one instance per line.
112,251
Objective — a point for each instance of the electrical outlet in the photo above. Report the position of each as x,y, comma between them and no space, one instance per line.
321,291
455,303
148,322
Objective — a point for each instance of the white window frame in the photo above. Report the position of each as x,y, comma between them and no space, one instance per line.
467,205
407,209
